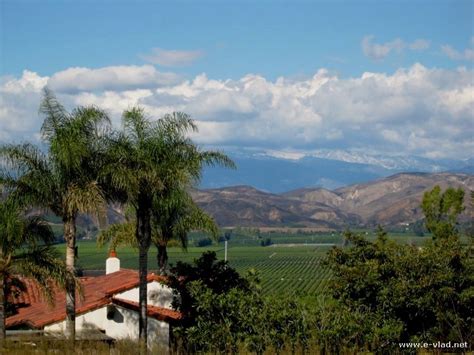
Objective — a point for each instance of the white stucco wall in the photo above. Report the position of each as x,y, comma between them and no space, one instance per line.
124,324
95,319
158,295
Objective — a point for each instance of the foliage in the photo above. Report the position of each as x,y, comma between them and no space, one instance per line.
338,327
64,180
203,242
414,294
441,210
223,316
418,229
25,251
175,214
212,273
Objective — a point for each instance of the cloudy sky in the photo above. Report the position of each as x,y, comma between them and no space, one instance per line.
387,77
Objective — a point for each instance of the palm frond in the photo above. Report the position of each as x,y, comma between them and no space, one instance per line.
91,121
42,264
215,158
38,231
118,235
135,124
22,158
87,198
55,114
175,124
26,248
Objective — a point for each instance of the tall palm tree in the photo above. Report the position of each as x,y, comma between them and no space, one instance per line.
64,179
26,250
144,158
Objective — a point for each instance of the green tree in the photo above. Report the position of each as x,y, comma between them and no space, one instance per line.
64,180
211,295
441,210
144,158
25,251
407,293
174,215
212,273
226,313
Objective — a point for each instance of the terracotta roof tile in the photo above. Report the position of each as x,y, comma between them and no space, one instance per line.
159,313
34,311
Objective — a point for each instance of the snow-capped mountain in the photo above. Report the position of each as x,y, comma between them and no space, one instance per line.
279,171
392,162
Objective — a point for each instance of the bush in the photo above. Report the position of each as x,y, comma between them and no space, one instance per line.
266,242
204,242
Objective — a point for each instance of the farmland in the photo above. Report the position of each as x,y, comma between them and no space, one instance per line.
293,263
279,268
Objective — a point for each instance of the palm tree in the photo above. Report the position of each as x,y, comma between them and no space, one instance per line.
25,250
174,215
65,179
144,158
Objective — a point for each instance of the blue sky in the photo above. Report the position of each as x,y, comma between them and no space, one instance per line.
237,37
221,60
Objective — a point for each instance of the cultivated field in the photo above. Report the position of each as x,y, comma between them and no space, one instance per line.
292,264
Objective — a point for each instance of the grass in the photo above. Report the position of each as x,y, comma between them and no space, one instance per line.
34,345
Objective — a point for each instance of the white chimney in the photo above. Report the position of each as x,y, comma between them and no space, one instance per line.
112,264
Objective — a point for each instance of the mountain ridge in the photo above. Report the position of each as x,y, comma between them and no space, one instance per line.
392,201
328,169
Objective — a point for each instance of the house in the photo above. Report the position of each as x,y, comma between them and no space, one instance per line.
108,303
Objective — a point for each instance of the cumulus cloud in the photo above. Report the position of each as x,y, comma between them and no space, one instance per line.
414,111
110,78
467,54
19,102
378,51
172,58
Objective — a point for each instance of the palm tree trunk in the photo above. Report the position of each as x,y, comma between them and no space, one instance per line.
143,235
162,257
70,237
2,309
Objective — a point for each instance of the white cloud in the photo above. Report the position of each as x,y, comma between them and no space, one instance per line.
110,78
417,110
467,54
172,58
378,51
419,45
19,102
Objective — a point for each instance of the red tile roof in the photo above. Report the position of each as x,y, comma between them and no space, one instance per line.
160,313
34,310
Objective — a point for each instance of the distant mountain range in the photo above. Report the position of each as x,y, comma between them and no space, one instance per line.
277,172
393,201
390,201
